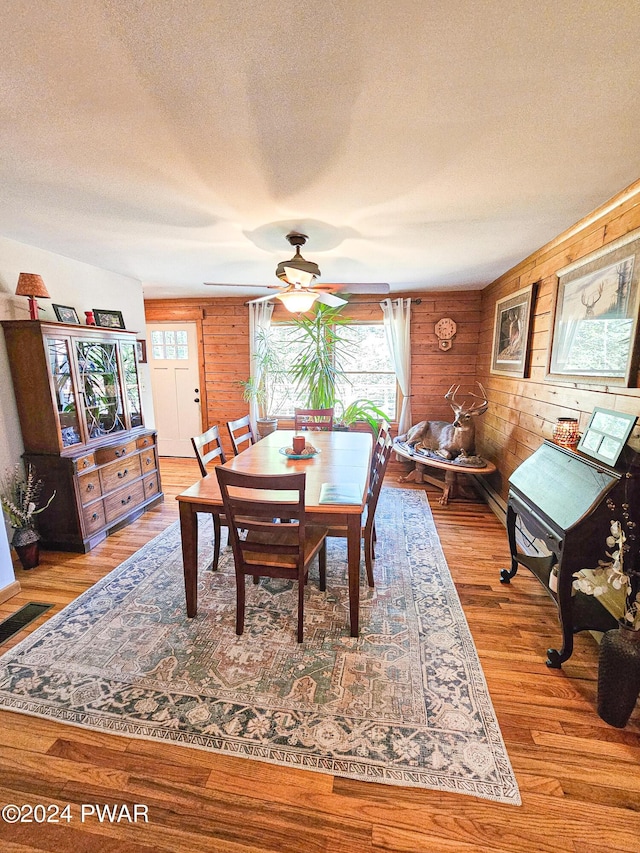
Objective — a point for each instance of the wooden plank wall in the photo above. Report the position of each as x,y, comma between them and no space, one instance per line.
224,332
523,412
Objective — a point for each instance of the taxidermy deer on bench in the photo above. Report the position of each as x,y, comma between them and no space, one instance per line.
449,440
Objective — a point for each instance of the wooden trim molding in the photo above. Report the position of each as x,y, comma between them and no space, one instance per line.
9,591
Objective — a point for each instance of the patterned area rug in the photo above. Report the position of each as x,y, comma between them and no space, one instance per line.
404,704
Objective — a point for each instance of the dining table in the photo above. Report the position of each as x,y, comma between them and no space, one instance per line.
336,489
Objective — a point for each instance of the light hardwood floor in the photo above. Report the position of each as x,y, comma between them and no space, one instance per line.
579,778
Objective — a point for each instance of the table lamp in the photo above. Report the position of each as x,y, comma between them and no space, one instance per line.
32,285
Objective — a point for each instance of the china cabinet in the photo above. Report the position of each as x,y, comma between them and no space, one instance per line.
78,397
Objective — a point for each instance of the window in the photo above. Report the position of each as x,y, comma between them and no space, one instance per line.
169,345
369,371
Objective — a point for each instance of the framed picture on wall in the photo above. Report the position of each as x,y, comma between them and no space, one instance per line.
512,332
141,351
595,324
110,319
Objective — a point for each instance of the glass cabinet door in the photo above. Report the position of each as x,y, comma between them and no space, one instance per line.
100,385
65,393
131,386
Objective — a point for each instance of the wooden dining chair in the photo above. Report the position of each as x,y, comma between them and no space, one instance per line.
241,432
262,547
384,433
321,419
209,453
380,460
208,448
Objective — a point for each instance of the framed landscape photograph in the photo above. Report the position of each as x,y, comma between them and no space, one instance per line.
110,319
511,333
595,325
66,314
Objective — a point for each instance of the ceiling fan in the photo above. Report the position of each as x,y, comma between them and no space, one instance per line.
300,288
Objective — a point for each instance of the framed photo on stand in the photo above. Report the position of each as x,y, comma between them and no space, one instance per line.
66,314
109,319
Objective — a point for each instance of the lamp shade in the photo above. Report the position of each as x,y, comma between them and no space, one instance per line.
297,300
30,284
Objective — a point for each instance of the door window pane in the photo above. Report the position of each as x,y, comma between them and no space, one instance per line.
98,367
132,390
169,344
65,395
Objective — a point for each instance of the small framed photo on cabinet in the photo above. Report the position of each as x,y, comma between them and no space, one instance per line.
109,319
66,314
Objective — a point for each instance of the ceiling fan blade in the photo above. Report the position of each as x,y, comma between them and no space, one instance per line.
262,299
358,287
261,286
330,299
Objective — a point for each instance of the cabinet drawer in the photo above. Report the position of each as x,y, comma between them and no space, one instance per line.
94,517
117,451
151,486
148,461
90,487
117,473
145,441
84,462
123,500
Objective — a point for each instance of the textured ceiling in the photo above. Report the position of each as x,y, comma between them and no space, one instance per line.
427,144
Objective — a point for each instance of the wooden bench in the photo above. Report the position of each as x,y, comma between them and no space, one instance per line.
452,483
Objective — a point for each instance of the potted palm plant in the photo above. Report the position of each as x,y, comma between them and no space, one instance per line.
263,389
319,368
19,497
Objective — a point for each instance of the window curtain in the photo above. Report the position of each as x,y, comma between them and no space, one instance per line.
397,327
259,320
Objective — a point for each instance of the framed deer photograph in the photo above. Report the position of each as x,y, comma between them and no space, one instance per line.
595,324
512,333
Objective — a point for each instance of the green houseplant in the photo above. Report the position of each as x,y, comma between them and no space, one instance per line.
19,496
320,367
263,390
359,410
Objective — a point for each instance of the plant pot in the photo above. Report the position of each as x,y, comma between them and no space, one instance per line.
618,675
27,546
266,426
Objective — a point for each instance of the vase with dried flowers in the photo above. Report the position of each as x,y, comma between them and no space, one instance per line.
19,496
619,656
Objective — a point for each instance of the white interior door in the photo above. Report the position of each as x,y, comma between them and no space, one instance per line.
175,383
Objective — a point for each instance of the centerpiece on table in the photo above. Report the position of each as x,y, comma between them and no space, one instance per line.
19,496
616,581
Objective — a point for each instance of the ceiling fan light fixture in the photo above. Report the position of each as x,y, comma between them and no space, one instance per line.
297,301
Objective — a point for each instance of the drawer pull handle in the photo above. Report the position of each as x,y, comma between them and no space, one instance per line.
148,460
94,516
151,486
124,502
85,463
122,474
90,487
119,453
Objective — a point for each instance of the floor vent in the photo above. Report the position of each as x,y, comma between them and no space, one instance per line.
20,619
